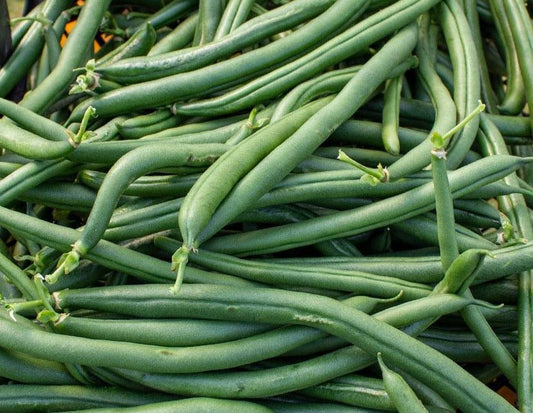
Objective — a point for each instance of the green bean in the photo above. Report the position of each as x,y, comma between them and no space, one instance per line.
450,259
110,152
167,14
521,35
326,83
178,38
28,49
50,54
71,57
313,407
514,98
391,114
289,154
447,240
34,173
419,156
402,396
148,186
502,263
200,404
358,220
200,202
32,398
235,13
33,122
515,207
20,27
17,277
137,45
22,368
353,281
511,125
105,253
157,331
424,229
463,347
129,167
488,95
354,390
279,19
209,14
325,313
466,76
148,124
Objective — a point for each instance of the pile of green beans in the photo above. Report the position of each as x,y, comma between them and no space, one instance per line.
267,206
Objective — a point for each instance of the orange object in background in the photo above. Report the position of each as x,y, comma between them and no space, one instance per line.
70,26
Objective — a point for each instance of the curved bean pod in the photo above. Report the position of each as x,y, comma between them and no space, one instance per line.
402,396
20,398
188,405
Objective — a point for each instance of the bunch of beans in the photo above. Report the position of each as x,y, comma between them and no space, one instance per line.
266,206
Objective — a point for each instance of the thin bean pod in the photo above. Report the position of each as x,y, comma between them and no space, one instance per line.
235,13
402,396
179,38
188,405
19,398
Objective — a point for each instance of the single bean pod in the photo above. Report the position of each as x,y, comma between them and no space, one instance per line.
402,396
200,404
179,38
